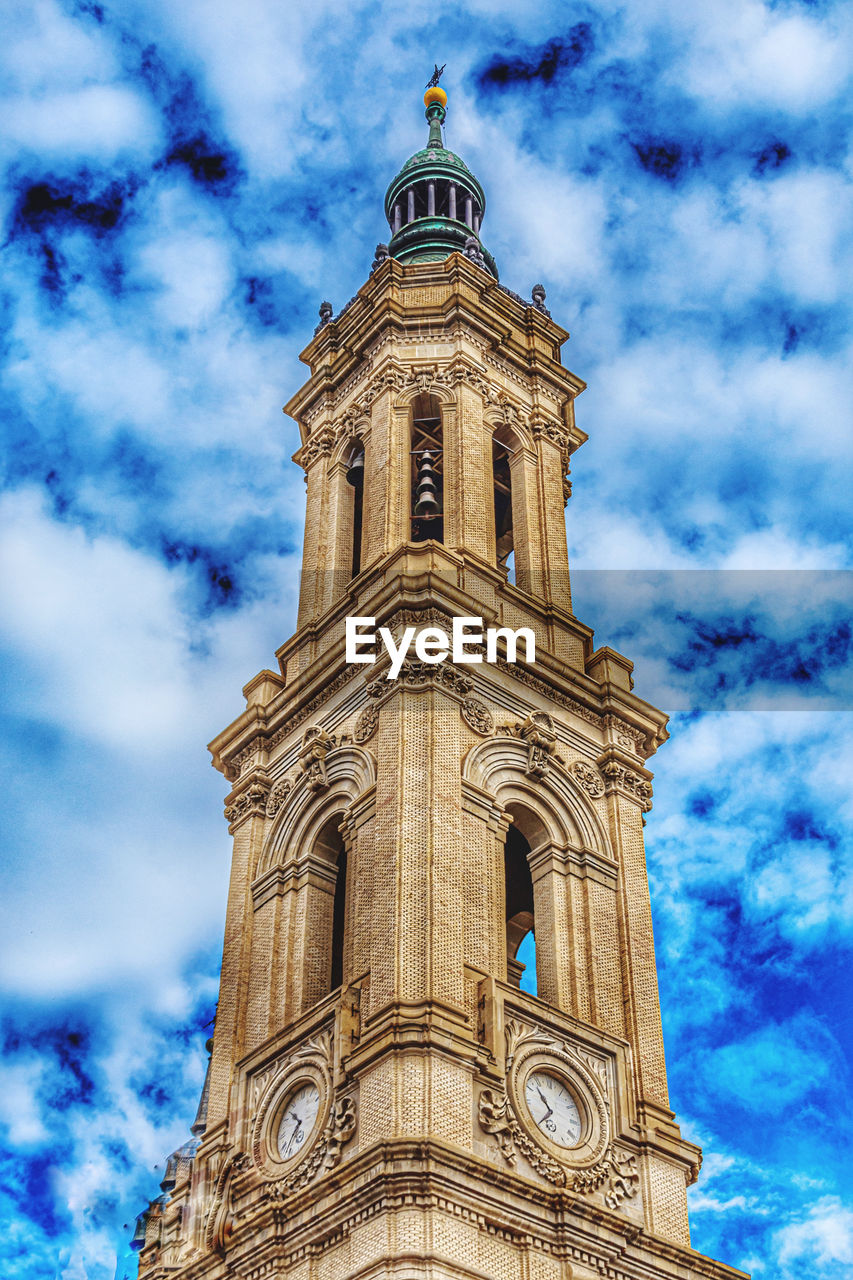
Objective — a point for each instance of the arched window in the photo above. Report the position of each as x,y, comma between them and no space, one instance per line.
427,470
520,924
332,931
502,484
355,478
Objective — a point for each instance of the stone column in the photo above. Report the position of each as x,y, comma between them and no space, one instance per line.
245,811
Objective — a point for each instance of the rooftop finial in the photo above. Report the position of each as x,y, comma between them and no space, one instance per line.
435,101
436,75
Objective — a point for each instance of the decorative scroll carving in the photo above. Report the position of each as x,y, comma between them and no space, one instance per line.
625,735
587,777
631,783
365,725
497,1117
249,802
519,1034
476,714
424,673
219,1223
617,1173
551,429
277,796
316,744
320,444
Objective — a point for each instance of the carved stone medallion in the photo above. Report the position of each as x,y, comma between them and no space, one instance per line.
478,716
365,725
588,777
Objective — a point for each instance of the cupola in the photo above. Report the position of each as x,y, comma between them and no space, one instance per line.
435,205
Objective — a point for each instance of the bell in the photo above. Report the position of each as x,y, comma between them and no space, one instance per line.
355,471
427,503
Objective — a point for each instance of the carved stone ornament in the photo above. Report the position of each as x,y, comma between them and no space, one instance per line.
538,732
638,788
587,777
416,674
313,1060
277,796
219,1223
478,716
552,430
316,745
605,1169
365,725
623,734
251,801
321,444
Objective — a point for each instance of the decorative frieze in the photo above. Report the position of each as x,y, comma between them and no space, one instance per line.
553,695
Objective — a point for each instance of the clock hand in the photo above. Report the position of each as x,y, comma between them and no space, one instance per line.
295,1131
542,1096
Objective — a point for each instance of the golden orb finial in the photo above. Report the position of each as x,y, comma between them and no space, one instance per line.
435,93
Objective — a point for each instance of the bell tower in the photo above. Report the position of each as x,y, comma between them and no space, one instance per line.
440,767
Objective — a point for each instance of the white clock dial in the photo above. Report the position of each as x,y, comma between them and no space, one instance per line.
553,1108
297,1120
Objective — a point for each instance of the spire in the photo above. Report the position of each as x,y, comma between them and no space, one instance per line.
435,205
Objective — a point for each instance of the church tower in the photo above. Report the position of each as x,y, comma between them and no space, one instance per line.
384,1097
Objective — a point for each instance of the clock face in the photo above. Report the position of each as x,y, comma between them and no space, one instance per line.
552,1108
297,1119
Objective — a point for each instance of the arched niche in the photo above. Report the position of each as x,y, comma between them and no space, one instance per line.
573,877
347,474
350,773
499,767
302,892
416,409
515,494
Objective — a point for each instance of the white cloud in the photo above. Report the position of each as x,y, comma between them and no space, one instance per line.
741,52
45,49
92,122
824,1236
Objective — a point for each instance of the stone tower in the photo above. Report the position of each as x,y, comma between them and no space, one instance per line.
383,1098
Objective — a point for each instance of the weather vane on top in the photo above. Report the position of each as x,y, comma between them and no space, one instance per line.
436,76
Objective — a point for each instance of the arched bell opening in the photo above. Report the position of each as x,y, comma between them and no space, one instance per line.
520,914
427,470
355,480
502,452
330,846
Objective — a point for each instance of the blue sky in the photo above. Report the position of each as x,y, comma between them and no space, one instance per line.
182,186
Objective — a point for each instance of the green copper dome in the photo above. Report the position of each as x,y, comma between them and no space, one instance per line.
435,205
